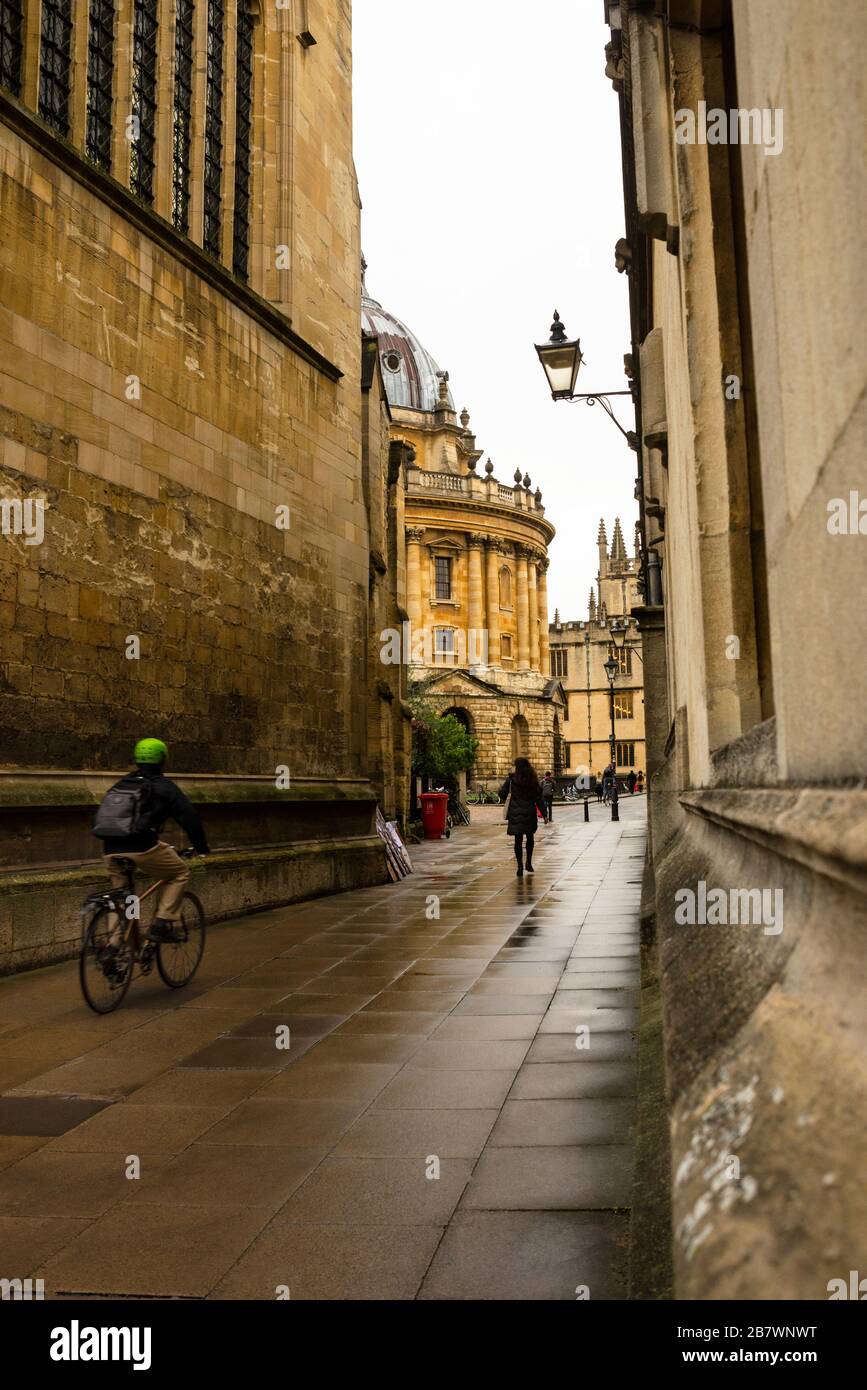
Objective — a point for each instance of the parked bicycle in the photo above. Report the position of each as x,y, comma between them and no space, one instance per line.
114,941
481,797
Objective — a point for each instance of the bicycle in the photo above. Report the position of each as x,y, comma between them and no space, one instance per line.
110,953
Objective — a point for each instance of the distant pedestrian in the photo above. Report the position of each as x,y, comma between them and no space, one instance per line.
607,783
597,778
548,790
640,784
524,793
631,781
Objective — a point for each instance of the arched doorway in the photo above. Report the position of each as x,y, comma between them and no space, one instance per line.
520,737
465,779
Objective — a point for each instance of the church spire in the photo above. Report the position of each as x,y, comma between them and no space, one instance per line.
602,543
618,548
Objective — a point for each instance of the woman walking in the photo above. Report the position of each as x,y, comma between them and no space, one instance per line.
525,799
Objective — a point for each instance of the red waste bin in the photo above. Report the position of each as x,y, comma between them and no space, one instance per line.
434,809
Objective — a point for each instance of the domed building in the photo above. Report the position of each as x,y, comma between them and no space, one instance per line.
476,638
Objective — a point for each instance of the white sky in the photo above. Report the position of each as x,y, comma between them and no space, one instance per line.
487,145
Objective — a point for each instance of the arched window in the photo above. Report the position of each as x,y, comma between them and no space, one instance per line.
505,587
520,737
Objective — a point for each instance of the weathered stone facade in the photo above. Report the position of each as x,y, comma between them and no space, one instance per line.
747,296
506,722
189,421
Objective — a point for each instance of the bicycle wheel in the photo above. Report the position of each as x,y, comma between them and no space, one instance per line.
178,959
105,970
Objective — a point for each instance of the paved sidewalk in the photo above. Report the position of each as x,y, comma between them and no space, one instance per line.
452,1120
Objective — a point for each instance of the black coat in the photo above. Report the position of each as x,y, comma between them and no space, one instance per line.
522,818
166,802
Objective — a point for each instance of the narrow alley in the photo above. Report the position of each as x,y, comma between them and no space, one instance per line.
451,1120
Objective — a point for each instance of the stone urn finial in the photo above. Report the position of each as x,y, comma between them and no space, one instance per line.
518,476
489,468
527,481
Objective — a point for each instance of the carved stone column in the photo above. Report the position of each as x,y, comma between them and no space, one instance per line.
533,597
413,585
493,603
544,648
476,602
522,607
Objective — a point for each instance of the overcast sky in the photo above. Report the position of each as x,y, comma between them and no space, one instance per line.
488,153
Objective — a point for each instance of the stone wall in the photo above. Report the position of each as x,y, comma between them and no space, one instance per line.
750,336
161,510
202,568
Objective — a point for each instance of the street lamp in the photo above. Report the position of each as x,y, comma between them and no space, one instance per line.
611,669
561,357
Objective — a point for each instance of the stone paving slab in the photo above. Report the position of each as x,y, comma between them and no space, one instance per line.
520,1255
432,1131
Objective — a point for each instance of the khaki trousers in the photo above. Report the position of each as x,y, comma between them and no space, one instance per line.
160,862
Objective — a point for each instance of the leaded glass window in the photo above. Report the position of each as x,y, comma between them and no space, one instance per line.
211,238
183,100
11,25
243,128
55,46
144,99
100,78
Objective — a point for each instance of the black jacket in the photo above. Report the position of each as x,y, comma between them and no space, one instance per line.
522,818
167,802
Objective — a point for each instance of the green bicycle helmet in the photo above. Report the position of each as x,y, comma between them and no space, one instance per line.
150,750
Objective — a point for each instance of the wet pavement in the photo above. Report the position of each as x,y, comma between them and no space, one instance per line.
452,1118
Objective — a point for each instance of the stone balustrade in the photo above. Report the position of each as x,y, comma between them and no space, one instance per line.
488,489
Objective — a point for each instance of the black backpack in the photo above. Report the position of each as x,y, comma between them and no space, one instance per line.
124,810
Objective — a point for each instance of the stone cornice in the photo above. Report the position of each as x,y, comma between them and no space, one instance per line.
109,191
474,508
823,829
34,788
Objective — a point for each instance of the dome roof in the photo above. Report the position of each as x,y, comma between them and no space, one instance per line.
412,377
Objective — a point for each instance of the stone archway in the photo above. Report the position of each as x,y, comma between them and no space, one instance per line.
520,737
463,717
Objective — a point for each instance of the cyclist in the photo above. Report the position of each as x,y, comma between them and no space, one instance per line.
141,803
